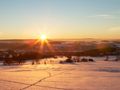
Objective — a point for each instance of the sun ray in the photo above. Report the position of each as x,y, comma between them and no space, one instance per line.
43,42
49,46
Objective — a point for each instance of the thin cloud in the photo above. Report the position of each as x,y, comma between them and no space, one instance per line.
114,29
1,33
105,16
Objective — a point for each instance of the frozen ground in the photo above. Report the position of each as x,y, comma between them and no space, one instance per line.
99,75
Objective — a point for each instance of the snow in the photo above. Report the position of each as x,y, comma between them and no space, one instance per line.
99,75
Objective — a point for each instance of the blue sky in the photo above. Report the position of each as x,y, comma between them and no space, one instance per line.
60,19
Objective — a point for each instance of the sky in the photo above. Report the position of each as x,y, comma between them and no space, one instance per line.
60,19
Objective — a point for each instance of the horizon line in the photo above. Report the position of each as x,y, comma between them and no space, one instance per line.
13,39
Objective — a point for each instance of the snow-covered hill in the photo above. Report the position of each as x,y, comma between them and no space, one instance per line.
99,75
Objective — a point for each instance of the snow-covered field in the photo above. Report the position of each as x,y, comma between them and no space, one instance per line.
99,75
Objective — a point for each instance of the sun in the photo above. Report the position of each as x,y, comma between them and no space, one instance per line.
43,37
